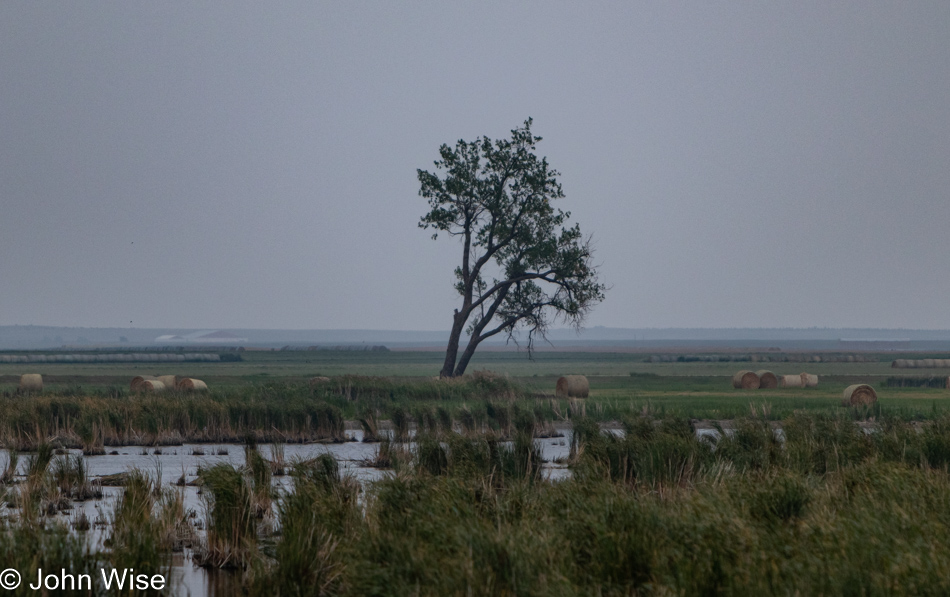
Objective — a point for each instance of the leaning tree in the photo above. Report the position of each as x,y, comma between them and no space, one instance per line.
523,267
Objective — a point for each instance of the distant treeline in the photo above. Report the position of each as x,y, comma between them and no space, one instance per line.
134,357
760,358
350,347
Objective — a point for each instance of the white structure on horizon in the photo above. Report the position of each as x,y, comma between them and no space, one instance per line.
204,338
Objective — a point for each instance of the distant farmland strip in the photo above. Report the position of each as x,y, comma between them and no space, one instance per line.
137,357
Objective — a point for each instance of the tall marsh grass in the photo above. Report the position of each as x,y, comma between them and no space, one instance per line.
822,507
809,505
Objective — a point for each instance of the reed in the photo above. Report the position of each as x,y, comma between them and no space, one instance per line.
258,471
400,422
138,539
71,475
319,520
231,520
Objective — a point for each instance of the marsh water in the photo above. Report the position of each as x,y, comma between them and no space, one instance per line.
168,464
178,466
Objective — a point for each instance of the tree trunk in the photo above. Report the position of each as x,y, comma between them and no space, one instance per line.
467,355
452,350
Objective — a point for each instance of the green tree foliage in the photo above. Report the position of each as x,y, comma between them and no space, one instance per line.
523,266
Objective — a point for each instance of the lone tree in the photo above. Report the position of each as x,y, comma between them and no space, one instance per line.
522,266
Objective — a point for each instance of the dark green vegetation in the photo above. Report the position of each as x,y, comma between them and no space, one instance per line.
827,507
831,510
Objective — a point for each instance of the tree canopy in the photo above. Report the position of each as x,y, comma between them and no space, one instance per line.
523,267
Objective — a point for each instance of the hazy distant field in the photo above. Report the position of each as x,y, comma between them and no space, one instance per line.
299,365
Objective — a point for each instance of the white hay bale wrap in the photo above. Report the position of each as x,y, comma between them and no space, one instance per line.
190,384
31,382
791,381
572,386
151,386
169,381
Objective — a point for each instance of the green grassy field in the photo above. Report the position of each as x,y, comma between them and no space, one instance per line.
621,383
291,365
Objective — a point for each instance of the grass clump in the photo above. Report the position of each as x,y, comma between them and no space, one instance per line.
319,524
231,521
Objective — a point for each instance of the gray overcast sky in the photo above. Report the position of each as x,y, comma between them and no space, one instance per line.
254,164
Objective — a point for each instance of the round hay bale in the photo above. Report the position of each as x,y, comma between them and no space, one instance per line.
189,384
929,364
809,380
152,385
319,380
31,382
767,379
899,364
136,384
572,386
170,381
745,380
859,393
791,381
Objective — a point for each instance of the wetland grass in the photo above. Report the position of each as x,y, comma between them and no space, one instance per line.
231,521
653,510
824,507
